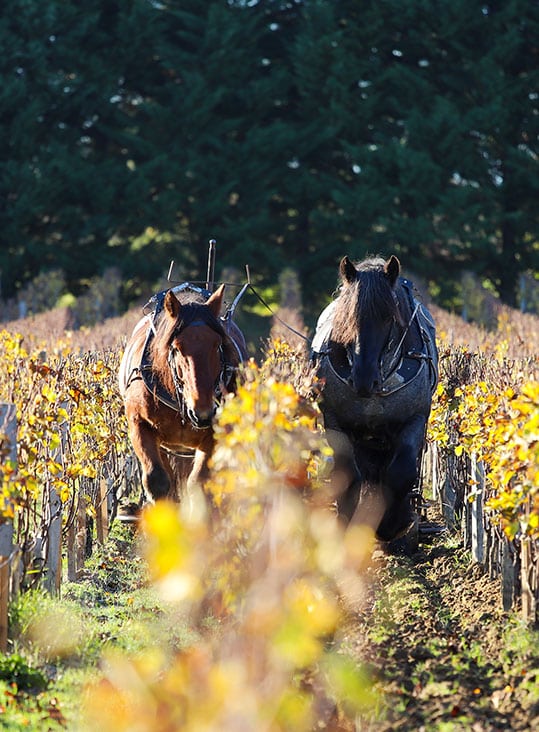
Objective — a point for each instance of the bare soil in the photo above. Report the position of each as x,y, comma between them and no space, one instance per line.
443,654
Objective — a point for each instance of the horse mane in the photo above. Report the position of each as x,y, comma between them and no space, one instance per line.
368,297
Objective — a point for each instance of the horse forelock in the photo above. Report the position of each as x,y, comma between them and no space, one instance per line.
193,309
370,298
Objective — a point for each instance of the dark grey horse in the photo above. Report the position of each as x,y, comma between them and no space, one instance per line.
376,353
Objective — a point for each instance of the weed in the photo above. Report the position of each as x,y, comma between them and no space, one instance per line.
60,641
15,669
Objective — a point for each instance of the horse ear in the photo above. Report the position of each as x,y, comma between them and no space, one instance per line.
172,305
215,302
392,269
347,270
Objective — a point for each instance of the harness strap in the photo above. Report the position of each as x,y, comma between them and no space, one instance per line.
397,350
282,322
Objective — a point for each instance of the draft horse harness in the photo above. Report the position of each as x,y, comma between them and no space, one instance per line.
193,315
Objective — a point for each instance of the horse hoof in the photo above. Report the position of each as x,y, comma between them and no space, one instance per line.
400,547
406,542
412,535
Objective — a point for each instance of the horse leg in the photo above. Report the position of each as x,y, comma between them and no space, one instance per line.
155,476
195,486
345,477
401,478
181,465
200,471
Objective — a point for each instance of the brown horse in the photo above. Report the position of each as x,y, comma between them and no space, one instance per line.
181,359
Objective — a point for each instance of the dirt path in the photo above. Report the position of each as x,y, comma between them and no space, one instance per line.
443,654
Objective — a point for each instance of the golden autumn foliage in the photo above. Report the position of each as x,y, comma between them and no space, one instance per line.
500,426
259,568
487,406
69,420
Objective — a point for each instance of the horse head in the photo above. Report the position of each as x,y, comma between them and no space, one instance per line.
195,354
367,318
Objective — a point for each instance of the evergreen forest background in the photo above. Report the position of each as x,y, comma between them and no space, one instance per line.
293,132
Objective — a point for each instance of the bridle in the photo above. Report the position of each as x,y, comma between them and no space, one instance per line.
396,354
223,380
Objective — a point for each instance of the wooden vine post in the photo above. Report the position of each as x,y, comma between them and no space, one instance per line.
8,442
53,510
4,601
476,518
53,561
529,575
101,512
76,541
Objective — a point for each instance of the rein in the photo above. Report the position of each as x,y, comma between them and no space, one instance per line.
282,322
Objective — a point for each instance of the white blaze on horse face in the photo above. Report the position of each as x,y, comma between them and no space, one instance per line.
198,363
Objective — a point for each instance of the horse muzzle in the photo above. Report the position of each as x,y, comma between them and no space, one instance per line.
200,419
365,388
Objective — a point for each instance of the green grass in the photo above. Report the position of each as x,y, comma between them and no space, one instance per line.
56,644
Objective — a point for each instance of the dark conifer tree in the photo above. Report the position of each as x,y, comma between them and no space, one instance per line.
293,132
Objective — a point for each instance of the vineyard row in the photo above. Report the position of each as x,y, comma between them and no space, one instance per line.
73,458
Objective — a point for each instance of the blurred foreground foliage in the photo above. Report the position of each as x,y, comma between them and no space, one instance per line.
266,577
